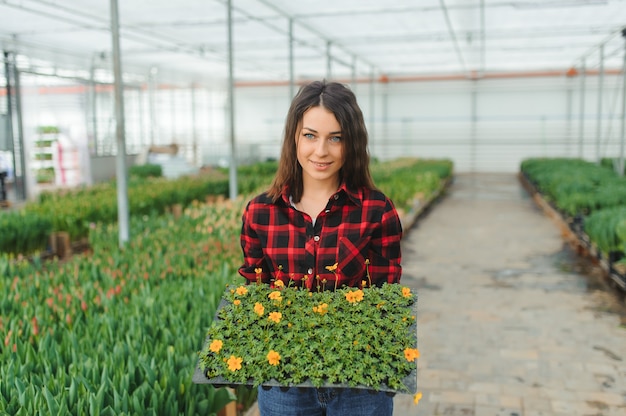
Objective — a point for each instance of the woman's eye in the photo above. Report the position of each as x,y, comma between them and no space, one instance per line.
335,139
309,136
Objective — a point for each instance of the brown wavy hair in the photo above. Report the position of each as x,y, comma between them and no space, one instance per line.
341,101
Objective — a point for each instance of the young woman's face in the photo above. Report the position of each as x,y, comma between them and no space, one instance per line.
319,147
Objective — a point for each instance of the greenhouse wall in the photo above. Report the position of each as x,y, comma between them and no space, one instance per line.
489,125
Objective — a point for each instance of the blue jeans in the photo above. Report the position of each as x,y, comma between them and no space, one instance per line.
323,402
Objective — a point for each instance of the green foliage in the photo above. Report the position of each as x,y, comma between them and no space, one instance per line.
403,180
322,338
22,233
575,186
148,170
48,129
587,190
117,331
607,228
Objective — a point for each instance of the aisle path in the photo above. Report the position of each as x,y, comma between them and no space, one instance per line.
506,326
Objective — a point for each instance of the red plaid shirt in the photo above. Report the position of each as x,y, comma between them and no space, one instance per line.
356,228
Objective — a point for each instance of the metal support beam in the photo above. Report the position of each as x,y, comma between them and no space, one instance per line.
123,216
232,176
371,128
581,115
329,61
14,125
620,164
292,80
599,113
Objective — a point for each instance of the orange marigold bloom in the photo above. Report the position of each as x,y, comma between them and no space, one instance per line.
417,397
258,270
275,296
406,292
216,345
259,309
321,309
237,302
241,290
234,363
273,357
275,316
279,283
411,354
354,296
332,268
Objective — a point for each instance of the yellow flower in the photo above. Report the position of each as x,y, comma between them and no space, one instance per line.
234,363
279,283
275,316
411,354
321,309
354,296
241,290
332,268
273,357
237,302
275,296
417,397
259,309
406,292
216,345
258,270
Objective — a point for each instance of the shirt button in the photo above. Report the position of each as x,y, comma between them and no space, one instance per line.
316,238
310,271
336,197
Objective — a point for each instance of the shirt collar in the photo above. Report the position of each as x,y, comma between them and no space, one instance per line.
354,195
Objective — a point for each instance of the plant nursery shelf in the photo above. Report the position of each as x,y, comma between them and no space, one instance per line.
297,321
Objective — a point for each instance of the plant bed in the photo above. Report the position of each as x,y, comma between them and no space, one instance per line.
360,338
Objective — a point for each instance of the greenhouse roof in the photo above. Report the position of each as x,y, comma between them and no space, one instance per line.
187,40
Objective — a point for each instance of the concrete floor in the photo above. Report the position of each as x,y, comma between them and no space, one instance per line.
510,320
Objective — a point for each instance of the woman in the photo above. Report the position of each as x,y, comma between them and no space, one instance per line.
322,223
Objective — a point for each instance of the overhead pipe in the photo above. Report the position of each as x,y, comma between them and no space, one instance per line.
123,216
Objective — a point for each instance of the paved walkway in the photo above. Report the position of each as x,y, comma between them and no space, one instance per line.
506,323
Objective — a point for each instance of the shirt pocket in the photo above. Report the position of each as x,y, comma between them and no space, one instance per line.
351,258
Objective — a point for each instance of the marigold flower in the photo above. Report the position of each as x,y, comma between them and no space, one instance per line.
275,296
417,397
273,357
321,308
258,270
241,290
406,292
234,363
237,302
216,345
332,268
411,354
275,317
259,309
279,283
354,296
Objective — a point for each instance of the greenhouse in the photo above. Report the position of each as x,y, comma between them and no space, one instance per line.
138,140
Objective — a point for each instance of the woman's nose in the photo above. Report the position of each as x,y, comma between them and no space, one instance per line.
322,147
